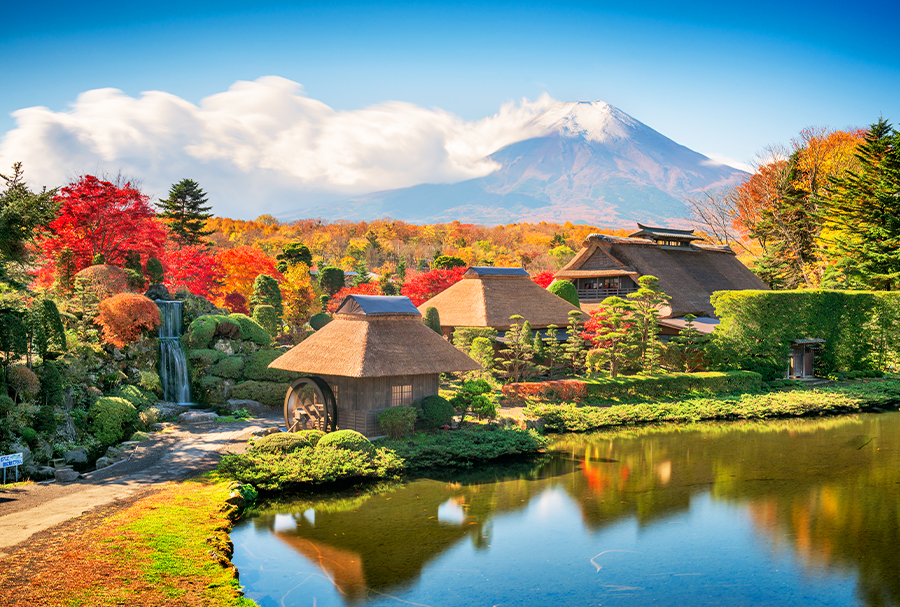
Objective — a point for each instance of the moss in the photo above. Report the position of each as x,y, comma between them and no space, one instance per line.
348,440
267,393
257,368
287,442
214,390
205,357
139,436
112,418
250,329
231,367
201,331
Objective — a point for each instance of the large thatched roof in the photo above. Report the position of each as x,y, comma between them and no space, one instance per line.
689,274
374,336
487,297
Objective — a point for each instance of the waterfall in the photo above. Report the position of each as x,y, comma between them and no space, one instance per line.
173,370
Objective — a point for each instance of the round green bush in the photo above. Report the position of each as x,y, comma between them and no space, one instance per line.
135,396
267,317
319,320
112,418
204,357
436,411
349,440
257,367
287,442
230,367
201,331
250,329
397,422
265,392
566,290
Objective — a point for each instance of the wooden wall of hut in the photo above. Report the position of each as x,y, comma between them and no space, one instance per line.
360,400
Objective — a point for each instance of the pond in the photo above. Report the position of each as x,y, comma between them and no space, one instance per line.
781,512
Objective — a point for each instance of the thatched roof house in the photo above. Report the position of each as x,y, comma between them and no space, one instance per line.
688,272
487,297
375,354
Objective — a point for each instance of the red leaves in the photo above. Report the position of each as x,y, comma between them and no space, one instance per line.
124,317
544,278
239,268
567,390
194,269
368,288
423,286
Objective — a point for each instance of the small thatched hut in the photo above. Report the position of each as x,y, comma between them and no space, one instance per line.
376,354
487,297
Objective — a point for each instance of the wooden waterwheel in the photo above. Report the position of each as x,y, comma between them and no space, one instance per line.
309,405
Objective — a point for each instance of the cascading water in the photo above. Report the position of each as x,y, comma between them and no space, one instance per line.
173,370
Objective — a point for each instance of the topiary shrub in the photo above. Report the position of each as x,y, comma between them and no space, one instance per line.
319,320
155,272
287,442
230,367
135,396
267,393
257,368
250,329
436,411
51,384
23,382
205,357
397,422
212,390
565,290
432,319
125,317
201,331
473,395
267,317
266,292
112,418
348,440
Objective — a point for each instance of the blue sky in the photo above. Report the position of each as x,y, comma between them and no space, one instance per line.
723,79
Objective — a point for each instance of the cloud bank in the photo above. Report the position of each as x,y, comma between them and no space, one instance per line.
261,146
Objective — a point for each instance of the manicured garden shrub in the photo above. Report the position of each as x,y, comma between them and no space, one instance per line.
463,337
473,396
155,272
230,367
103,279
266,293
135,396
213,390
257,368
319,320
267,393
112,418
397,422
267,317
436,411
464,448
347,440
205,357
201,331
250,329
237,303
124,318
432,319
51,384
287,442
23,382
565,290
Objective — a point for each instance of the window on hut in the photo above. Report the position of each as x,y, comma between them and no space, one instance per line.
401,395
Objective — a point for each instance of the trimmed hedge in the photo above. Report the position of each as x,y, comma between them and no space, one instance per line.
251,330
397,422
205,357
436,411
258,368
201,331
347,440
565,290
112,419
287,442
230,367
267,393
629,387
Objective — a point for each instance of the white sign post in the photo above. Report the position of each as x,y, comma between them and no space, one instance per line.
10,461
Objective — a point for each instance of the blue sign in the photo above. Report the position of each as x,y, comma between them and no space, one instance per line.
8,461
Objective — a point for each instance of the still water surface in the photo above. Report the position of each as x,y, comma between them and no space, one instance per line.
783,512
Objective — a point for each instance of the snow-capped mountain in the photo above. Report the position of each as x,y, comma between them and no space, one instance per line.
592,163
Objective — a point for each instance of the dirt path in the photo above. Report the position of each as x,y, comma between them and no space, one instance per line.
178,452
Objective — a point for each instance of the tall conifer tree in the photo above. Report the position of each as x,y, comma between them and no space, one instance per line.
186,211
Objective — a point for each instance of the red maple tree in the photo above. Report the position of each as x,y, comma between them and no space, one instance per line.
544,278
423,286
194,269
368,288
125,317
100,217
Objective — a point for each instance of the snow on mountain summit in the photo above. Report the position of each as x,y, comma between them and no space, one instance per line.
593,120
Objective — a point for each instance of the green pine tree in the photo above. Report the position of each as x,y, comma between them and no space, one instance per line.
614,335
645,303
186,212
267,293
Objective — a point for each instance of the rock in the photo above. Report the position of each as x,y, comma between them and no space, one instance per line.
224,346
265,431
39,473
537,424
158,292
115,454
197,417
254,407
65,475
76,456
236,500
103,462
167,410
118,355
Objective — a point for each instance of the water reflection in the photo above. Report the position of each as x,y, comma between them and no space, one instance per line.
808,509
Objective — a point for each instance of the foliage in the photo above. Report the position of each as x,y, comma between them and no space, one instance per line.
186,212
690,345
191,268
112,419
267,393
124,317
472,396
517,358
51,384
258,368
236,303
204,357
448,262
250,329
423,286
368,288
292,255
482,352
331,280
230,367
646,303
267,317
287,442
23,383
301,296
239,268
101,218
574,348
156,274
463,337
135,396
266,292
319,320
611,330
798,402
465,448
346,440
544,279
398,421
134,270
24,215
565,290
432,319
435,411
45,328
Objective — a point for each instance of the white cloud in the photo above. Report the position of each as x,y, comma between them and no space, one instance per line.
737,164
260,146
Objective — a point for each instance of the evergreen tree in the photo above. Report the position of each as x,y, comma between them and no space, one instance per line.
23,217
432,319
186,212
331,280
574,348
518,356
401,269
613,335
691,344
863,208
291,255
267,293
646,302
155,272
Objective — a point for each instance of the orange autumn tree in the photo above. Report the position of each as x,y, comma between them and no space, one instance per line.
239,268
300,296
123,318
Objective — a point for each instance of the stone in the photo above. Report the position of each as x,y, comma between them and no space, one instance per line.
65,475
103,462
76,456
118,355
40,473
224,346
197,417
115,454
158,292
265,431
252,406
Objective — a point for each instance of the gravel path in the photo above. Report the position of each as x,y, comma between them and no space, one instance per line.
177,452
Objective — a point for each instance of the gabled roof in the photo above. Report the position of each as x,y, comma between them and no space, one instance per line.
489,299
664,233
373,336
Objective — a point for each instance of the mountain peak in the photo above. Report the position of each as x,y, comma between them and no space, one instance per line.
591,120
